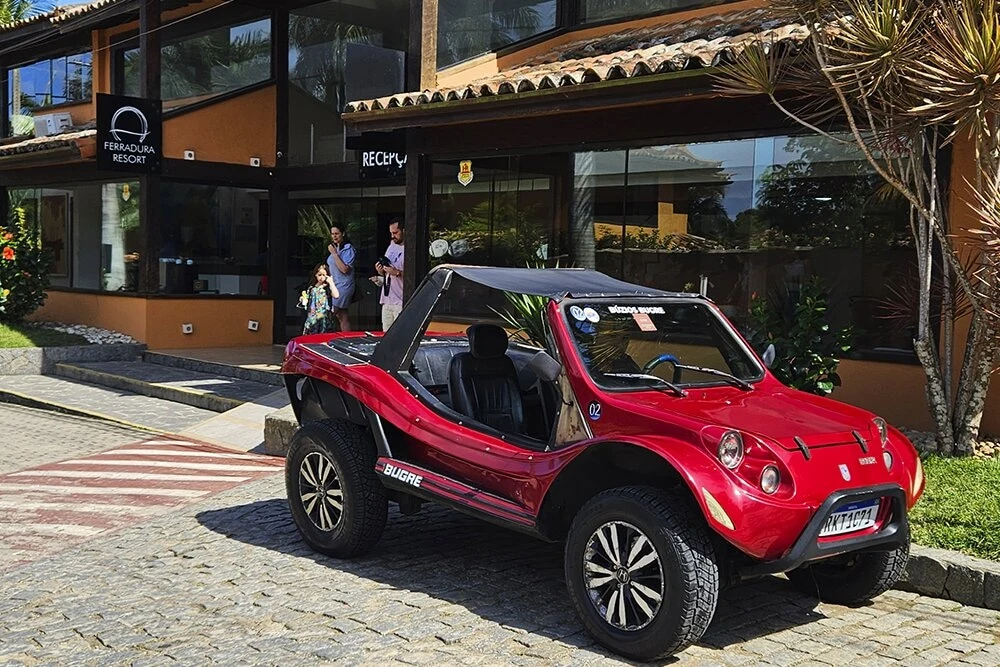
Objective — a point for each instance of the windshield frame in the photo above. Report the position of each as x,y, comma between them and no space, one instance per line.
565,304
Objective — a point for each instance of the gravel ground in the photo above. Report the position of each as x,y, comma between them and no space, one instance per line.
93,335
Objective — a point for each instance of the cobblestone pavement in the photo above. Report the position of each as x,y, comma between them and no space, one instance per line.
228,581
33,437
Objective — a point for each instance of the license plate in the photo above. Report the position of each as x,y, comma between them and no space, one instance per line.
849,518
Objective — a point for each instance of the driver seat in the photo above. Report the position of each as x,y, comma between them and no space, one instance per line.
483,381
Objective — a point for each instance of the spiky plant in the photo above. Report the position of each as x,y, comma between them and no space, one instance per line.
908,78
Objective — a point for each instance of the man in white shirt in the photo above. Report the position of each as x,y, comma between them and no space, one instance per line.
390,275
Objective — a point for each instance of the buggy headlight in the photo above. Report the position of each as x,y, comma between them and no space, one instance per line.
770,478
883,430
730,449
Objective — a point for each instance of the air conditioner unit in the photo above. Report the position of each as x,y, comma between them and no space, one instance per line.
52,123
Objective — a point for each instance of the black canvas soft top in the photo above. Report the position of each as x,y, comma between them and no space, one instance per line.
553,283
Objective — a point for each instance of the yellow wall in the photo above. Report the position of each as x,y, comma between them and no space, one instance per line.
232,131
218,322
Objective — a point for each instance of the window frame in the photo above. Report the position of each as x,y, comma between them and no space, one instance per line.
61,49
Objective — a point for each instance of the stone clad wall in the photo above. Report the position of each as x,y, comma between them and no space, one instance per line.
40,360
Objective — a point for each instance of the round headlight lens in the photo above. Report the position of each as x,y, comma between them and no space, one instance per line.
883,430
770,478
731,449
887,459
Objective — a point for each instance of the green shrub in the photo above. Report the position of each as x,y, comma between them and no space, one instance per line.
23,268
807,351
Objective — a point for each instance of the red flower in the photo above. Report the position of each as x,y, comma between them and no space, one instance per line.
8,236
8,253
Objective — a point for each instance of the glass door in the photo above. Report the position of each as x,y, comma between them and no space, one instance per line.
365,213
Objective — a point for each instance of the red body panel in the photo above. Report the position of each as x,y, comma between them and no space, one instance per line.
681,430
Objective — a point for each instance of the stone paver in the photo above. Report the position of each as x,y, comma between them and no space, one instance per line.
229,581
122,406
32,437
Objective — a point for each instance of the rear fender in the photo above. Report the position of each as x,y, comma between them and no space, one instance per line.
314,400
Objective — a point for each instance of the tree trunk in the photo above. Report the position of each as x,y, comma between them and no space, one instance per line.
937,399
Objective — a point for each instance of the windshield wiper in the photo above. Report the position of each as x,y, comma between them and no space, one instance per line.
732,379
643,376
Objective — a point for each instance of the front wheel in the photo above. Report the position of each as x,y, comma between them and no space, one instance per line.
642,576
336,499
852,578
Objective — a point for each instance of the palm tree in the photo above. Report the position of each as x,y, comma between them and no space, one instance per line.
11,11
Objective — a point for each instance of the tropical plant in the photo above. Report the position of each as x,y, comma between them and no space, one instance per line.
907,78
807,350
23,267
525,314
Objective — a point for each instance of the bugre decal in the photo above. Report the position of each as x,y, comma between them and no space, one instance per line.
403,475
632,310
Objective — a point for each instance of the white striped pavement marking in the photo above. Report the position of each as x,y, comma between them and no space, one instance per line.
220,467
48,529
153,452
101,508
160,477
31,488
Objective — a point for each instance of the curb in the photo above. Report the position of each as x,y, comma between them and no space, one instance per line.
214,368
192,397
16,398
951,575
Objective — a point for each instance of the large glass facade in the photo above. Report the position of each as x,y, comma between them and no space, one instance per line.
338,52
90,230
213,240
61,80
467,28
208,63
749,217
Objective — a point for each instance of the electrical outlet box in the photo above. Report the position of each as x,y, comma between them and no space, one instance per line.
255,162
188,155
253,325
187,328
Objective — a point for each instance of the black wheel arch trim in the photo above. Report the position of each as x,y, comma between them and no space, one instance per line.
808,548
314,400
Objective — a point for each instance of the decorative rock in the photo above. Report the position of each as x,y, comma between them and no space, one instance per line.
93,335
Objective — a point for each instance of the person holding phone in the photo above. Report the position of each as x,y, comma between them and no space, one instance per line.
390,275
341,265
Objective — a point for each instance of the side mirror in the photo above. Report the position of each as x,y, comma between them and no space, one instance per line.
768,356
545,367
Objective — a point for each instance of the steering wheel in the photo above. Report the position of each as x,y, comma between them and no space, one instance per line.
656,361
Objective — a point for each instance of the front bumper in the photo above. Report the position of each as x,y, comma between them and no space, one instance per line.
893,533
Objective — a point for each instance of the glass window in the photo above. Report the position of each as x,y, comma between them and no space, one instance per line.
628,344
91,232
213,240
602,10
339,52
209,63
467,28
750,217
62,80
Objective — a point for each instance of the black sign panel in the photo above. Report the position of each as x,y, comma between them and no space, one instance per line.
129,134
381,155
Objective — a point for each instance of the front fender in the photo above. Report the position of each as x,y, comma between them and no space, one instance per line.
759,525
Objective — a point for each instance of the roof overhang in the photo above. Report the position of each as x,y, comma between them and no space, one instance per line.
57,149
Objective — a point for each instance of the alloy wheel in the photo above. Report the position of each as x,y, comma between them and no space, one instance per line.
320,491
623,575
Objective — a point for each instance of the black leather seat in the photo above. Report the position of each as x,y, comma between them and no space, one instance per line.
483,381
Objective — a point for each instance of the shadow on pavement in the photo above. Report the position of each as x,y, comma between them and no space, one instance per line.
503,576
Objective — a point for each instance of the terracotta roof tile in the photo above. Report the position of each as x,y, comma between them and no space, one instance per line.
59,14
625,54
50,142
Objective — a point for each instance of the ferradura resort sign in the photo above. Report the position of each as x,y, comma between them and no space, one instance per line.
129,134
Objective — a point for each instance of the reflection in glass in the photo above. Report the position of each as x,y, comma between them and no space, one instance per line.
61,80
467,28
208,63
338,53
601,10
754,216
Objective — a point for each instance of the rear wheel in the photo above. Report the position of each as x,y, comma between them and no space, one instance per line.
336,499
852,578
643,578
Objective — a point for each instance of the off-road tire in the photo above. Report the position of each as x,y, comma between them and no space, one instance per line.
351,452
690,573
854,578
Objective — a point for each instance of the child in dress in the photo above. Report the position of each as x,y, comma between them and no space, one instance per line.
318,302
